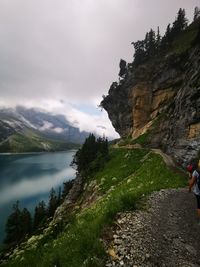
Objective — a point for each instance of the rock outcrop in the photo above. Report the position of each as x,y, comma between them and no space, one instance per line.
70,199
161,97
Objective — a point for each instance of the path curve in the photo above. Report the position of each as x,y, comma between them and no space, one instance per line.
167,159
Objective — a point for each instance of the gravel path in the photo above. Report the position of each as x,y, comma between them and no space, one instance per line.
167,233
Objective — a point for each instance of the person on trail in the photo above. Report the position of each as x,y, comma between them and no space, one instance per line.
194,182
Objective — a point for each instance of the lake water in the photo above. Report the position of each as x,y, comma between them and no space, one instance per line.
29,178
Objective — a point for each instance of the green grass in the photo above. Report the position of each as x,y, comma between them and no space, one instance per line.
122,164
124,141
142,139
79,244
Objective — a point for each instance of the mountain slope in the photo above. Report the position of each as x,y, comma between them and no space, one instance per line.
25,130
73,239
31,142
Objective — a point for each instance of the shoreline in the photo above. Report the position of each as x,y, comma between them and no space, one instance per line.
30,153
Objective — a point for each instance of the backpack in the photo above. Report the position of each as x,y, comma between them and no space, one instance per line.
198,178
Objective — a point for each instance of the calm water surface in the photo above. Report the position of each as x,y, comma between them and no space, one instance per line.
29,178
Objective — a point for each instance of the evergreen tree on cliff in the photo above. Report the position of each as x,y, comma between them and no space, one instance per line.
158,39
123,68
14,226
196,13
18,226
167,38
53,203
179,24
40,215
150,44
89,152
140,54
27,222
66,188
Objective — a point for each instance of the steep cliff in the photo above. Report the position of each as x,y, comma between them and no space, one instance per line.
160,99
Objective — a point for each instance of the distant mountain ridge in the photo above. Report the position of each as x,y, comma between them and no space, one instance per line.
30,129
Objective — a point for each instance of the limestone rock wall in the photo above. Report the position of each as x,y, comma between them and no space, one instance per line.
167,88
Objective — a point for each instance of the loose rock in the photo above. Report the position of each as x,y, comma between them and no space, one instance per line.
167,234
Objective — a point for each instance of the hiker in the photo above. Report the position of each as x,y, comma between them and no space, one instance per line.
194,182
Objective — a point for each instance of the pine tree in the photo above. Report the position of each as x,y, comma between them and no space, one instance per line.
40,216
18,226
179,24
158,39
168,34
14,226
102,146
167,38
59,197
90,151
196,13
27,222
196,41
86,154
151,44
123,68
140,53
66,188
52,205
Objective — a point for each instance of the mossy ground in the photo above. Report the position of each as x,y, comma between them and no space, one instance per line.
125,179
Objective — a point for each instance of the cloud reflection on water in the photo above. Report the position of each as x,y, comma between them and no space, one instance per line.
31,187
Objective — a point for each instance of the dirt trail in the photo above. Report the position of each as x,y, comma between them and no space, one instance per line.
167,234
167,159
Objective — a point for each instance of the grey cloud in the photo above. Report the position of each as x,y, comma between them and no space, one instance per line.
70,49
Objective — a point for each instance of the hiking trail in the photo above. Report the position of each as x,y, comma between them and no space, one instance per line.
165,233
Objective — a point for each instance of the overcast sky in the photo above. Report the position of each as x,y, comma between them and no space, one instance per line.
62,55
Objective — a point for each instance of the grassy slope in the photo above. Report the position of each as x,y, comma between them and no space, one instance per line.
126,177
32,142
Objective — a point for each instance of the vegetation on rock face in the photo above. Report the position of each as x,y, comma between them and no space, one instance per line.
91,155
40,216
162,81
126,177
154,44
178,38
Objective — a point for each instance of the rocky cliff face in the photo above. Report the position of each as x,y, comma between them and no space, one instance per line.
161,97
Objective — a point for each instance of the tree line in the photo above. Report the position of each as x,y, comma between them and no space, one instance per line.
20,224
91,156
154,44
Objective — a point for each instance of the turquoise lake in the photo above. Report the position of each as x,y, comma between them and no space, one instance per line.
29,178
